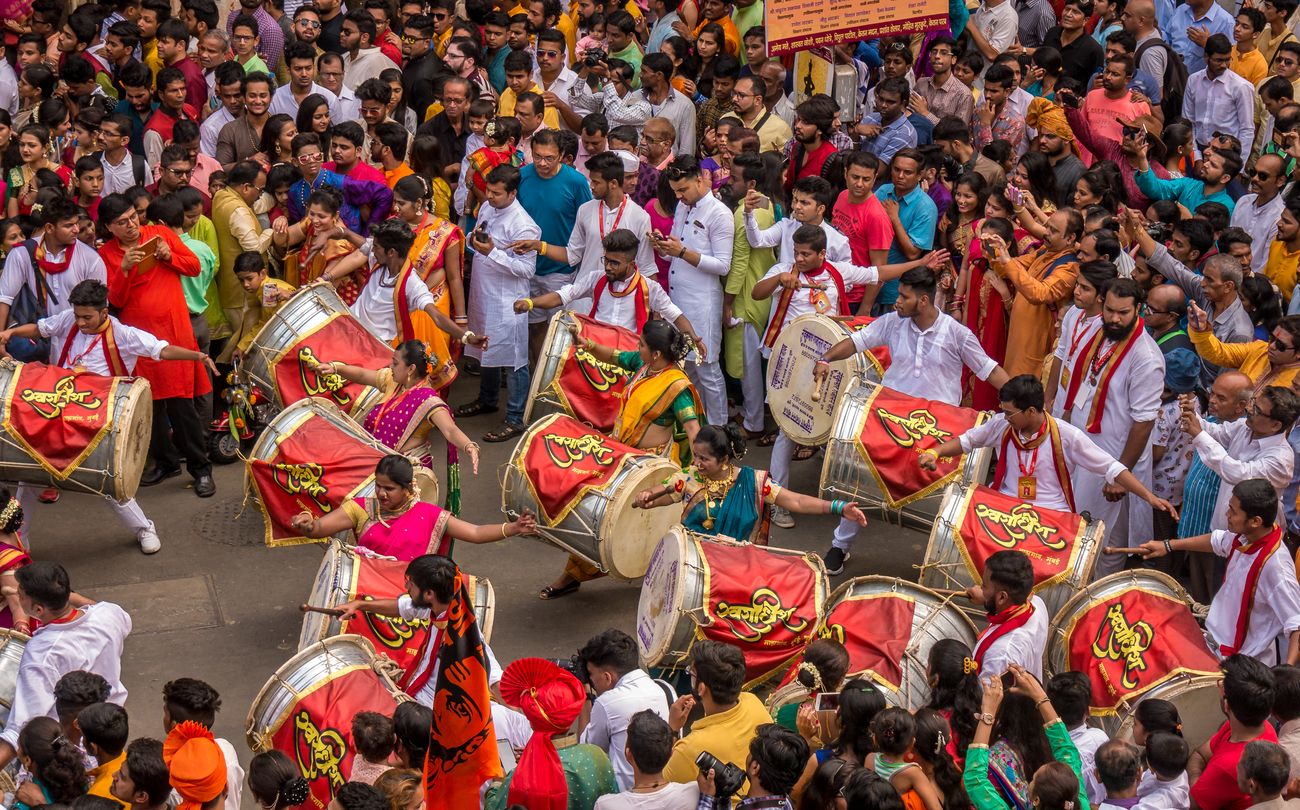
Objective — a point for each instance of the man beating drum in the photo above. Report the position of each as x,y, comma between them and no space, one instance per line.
929,350
87,338
1020,432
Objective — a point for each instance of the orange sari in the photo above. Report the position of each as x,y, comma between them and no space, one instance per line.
302,267
434,236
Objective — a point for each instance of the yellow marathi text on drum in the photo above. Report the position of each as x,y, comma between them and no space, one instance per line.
577,448
915,426
315,383
1020,523
1127,642
50,404
326,750
763,613
609,373
302,479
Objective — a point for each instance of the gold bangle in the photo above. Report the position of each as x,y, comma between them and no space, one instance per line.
530,304
542,248
503,531
930,451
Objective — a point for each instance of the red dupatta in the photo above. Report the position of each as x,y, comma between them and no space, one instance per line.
635,286
106,341
1000,624
1050,428
1261,550
777,322
1110,363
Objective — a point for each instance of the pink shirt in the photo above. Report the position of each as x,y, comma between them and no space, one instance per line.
361,171
1103,113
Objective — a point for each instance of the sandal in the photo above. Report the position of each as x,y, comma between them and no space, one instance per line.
474,409
804,453
767,439
506,433
552,592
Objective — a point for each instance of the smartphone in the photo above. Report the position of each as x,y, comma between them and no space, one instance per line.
1016,196
1008,680
827,702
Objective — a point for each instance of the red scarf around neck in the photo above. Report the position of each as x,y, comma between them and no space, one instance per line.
636,286
47,266
1085,359
777,323
1261,550
1001,623
107,343
1050,429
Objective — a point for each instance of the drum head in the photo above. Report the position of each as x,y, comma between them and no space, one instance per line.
485,604
427,485
790,378
558,340
1197,700
325,592
627,535
133,428
660,608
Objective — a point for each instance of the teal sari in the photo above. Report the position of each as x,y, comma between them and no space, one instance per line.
742,514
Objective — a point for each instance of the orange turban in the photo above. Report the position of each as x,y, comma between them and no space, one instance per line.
1045,116
196,764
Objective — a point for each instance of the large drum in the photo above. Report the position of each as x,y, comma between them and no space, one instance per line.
581,484
355,573
767,601
306,708
975,522
790,374
313,457
1133,634
11,654
877,437
72,430
314,326
570,380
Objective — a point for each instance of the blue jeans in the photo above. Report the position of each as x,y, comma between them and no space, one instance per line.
517,382
1289,494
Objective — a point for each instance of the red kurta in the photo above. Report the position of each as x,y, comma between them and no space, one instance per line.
153,301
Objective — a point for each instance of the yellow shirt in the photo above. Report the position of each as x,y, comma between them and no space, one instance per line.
441,43
569,27
1249,66
1249,358
101,778
258,315
149,52
725,735
506,106
1281,267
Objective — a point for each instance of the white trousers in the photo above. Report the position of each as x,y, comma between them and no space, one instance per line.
845,533
752,385
707,378
782,454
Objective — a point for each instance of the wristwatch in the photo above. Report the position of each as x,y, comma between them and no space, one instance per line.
984,717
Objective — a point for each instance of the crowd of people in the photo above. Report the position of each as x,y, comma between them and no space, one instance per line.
1078,215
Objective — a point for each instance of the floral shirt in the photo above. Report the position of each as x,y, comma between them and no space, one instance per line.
1169,473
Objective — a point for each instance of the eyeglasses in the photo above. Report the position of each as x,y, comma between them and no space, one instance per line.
315,157
1255,411
413,40
132,217
738,94
1262,175
441,16
308,23
1278,343
179,172
1153,311
243,37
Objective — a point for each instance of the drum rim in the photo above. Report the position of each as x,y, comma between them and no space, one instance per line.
621,499
854,366
662,649
843,591
336,553
1190,682
559,323
490,605
126,484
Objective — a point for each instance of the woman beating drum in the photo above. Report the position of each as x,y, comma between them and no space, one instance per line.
396,523
660,412
721,498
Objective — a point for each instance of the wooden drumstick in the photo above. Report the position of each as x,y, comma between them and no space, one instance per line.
817,392
317,609
949,592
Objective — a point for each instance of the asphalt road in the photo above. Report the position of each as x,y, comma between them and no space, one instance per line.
217,604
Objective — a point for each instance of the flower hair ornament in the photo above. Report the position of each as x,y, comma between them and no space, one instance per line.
813,673
969,666
490,130
11,509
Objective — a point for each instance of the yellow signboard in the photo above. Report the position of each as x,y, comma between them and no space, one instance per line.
797,25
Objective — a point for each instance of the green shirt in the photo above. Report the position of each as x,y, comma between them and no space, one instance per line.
206,232
984,796
256,65
633,56
748,266
745,19
587,773
196,287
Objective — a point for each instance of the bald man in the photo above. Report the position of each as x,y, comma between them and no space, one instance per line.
1166,306
656,150
1140,21
1230,396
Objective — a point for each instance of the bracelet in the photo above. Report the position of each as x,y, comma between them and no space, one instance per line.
542,248
503,530
837,507
530,303
589,345
1169,547
1041,701
930,451
820,362
468,336
471,447
681,254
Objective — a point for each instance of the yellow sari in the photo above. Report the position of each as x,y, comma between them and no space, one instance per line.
434,236
652,398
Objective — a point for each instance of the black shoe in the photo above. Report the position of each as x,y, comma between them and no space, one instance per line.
204,486
158,475
834,560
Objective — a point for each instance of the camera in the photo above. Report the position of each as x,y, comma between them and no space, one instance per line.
1160,231
727,778
575,665
595,56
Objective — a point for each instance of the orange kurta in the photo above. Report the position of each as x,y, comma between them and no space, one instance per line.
1040,296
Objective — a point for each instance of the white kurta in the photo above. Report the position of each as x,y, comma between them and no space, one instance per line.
132,343
1133,396
499,280
1275,611
926,364
375,308
1232,451
85,265
1023,646
812,302
614,307
709,229
1076,447
781,236
1076,332
586,251
93,642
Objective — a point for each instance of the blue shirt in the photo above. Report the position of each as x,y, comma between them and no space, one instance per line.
1188,191
893,137
1200,493
1216,21
553,205
919,216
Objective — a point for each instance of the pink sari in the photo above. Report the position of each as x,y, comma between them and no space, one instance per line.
422,529
11,559
395,420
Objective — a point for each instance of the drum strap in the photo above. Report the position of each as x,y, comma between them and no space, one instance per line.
1262,549
777,323
1000,624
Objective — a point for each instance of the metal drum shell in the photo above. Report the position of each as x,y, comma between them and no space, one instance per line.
541,402
945,567
294,319
12,644
845,474
602,528
790,377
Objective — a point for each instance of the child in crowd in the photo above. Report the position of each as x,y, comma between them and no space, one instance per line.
374,738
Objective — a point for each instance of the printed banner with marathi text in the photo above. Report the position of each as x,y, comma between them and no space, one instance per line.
993,522
798,25
895,429
589,389
876,629
58,416
340,339
393,636
567,459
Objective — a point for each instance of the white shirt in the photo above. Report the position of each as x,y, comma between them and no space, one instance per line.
1157,794
1023,646
612,712
1088,739
8,88
1275,610
499,280
284,102
234,773
709,229
120,177
92,641
781,235
999,24
593,219
616,310
429,654
926,364
87,350
209,130
368,64
1076,448
678,109
375,308
805,302
349,106
1222,104
1231,450
1260,221
672,796
562,87
1133,396
1076,332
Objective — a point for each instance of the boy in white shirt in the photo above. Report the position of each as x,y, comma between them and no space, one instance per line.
1071,692
1164,783
1118,769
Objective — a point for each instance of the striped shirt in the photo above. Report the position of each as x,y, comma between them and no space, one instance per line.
1200,493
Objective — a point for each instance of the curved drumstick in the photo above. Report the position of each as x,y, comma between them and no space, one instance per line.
317,609
817,392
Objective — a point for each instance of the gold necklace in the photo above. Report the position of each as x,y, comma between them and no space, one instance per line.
714,493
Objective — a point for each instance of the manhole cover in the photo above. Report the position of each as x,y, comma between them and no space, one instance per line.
231,523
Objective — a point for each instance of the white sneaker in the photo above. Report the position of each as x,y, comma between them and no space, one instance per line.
149,542
782,518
